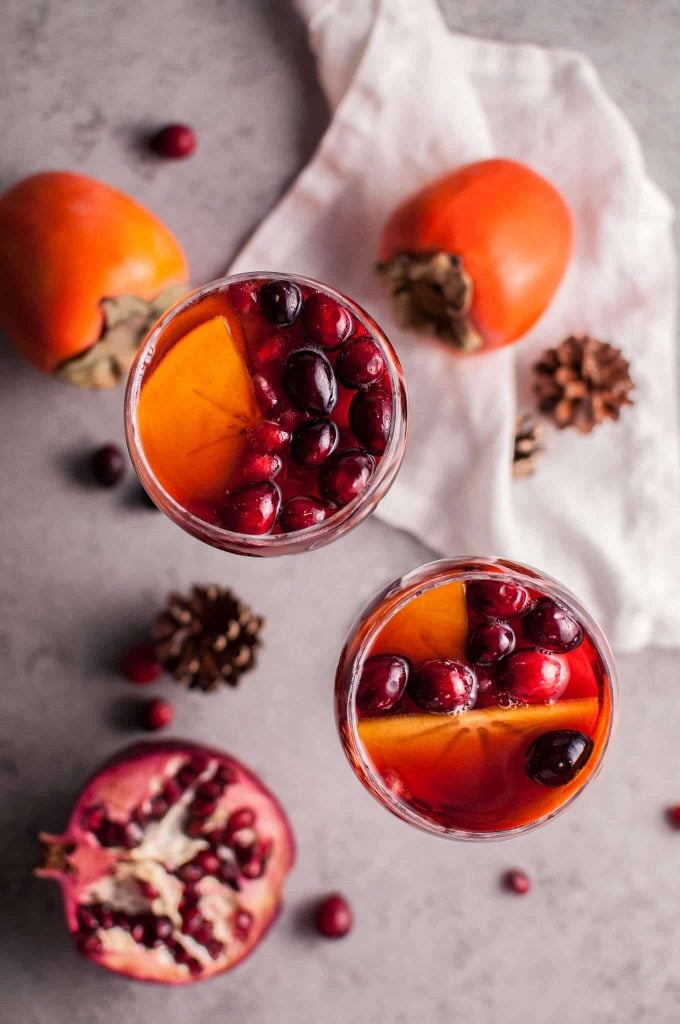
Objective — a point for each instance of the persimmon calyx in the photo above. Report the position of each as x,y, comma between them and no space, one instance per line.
432,293
126,319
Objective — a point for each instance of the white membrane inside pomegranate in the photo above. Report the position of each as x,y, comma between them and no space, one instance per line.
173,863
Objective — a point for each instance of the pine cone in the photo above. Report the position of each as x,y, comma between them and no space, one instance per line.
207,638
528,445
582,382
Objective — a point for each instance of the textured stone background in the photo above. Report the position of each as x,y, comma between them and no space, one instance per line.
597,941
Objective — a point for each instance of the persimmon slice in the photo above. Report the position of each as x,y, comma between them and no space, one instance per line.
432,625
194,410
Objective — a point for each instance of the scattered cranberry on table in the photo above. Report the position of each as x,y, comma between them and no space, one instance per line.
174,141
157,714
107,465
516,881
333,917
140,664
673,816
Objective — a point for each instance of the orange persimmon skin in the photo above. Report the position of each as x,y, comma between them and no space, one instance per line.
66,243
512,230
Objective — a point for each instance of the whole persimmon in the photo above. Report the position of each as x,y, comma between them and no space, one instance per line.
476,256
84,272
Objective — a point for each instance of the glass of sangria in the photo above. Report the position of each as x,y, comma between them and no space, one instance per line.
476,698
266,414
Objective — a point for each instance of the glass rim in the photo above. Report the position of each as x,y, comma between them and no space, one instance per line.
268,544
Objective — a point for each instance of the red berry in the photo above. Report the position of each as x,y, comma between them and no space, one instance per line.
497,599
673,816
267,436
490,642
345,475
333,916
550,626
243,297
266,394
383,681
107,465
271,349
256,466
157,714
309,381
300,512
205,510
443,686
532,677
370,417
252,509
281,302
487,691
516,881
313,442
141,665
174,141
360,363
325,322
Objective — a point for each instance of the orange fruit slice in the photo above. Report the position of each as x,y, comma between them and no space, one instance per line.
432,625
194,409
469,768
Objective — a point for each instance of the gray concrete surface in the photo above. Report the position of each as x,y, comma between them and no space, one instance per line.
597,941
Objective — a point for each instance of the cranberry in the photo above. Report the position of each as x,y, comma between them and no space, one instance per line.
242,296
252,509
257,466
333,917
673,815
487,690
309,381
205,510
345,475
516,881
555,758
551,627
532,677
383,682
360,363
443,686
157,714
370,417
300,512
314,441
490,642
325,322
175,140
497,599
281,302
107,465
141,665
267,436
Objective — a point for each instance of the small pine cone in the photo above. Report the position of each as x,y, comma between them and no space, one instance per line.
528,445
582,382
207,638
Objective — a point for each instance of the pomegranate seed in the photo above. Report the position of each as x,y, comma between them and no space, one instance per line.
209,790
192,921
242,817
163,927
555,758
242,296
346,475
93,818
333,916
267,436
532,677
228,875
291,418
157,714
208,862
204,934
174,141
516,881
215,948
360,363
106,917
490,642
199,762
326,322
256,467
265,393
281,302
121,920
272,349
497,599
137,930
131,835
309,381
253,868
225,775
243,844
194,967
88,921
242,924
148,890
443,686
313,441
252,509
203,808
300,512
673,815
370,417
171,792
89,945
551,627
158,808
383,682
107,465
140,664
194,829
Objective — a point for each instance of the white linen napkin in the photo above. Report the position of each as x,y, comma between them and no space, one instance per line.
412,100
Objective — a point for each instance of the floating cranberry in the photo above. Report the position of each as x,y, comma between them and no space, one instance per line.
360,363
243,297
141,665
205,510
516,881
252,509
107,465
346,475
257,466
267,436
555,758
325,322
174,141
497,599
489,642
550,626
443,686
532,677
370,417
333,917
300,512
309,381
313,442
383,682
157,714
281,302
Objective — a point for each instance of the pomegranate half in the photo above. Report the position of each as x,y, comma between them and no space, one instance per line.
172,864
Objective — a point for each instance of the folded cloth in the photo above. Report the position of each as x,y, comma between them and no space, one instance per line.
410,100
